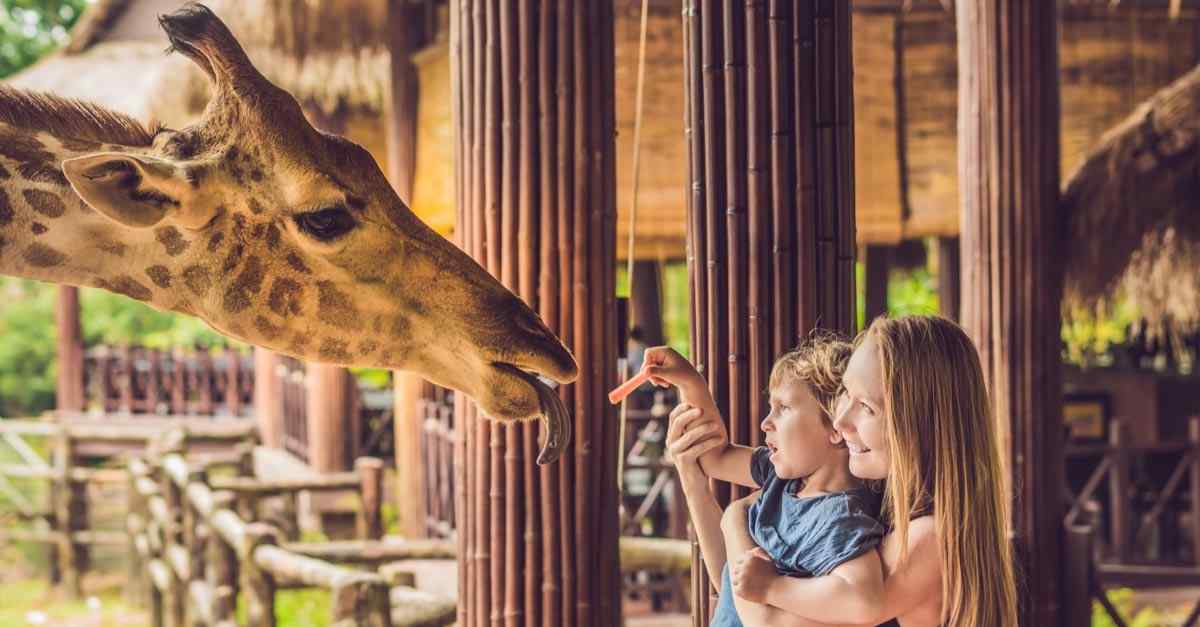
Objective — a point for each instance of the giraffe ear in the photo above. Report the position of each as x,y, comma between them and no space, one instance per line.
133,190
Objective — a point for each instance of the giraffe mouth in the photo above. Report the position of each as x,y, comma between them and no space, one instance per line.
556,421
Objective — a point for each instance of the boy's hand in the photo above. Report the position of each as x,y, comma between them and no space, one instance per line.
668,367
751,575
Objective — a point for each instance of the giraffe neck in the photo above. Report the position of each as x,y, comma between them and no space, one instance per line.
48,233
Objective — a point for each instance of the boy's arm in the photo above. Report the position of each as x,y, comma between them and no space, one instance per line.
730,463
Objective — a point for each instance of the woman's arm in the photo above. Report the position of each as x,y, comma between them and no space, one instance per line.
686,446
906,585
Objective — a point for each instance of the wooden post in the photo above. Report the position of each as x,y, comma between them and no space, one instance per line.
1077,608
258,584
222,573
877,262
370,519
1194,483
1008,174
327,419
268,397
66,515
69,391
402,149
1120,511
362,601
408,424
534,119
645,302
949,277
771,246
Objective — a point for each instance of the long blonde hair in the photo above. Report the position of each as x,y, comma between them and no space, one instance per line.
945,454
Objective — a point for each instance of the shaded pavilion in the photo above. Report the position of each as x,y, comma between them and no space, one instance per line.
770,229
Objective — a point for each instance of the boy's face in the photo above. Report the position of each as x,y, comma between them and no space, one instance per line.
800,442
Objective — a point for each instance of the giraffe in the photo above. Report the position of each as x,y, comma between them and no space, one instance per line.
270,231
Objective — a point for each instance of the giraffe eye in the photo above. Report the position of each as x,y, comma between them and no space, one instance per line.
327,224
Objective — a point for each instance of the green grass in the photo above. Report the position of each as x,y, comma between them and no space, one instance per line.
22,600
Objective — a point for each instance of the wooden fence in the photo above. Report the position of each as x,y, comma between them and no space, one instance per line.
194,552
63,525
1139,506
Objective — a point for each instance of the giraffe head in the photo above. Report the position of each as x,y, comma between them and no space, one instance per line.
292,239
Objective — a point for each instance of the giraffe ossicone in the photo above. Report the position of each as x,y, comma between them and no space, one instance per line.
269,230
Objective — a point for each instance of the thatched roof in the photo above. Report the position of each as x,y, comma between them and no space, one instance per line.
1133,211
331,55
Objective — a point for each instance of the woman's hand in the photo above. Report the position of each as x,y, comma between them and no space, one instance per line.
691,434
751,575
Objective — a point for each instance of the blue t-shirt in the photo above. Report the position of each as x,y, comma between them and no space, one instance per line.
805,537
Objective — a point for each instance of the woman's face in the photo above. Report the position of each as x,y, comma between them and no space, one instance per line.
859,413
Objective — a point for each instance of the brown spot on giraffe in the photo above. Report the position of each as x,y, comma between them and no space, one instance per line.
129,286
43,173
45,203
284,298
333,307
80,145
115,249
6,210
233,258
273,236
214,242
172,240
297,264
4,174
246,285
38,228
299,344
39,255
198,279
160,275
23,147
268,330
334,350
367,347
256,207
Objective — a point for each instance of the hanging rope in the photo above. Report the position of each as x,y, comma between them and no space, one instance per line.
637,156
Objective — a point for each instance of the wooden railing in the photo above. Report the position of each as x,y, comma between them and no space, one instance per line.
436,407
295,406
139,380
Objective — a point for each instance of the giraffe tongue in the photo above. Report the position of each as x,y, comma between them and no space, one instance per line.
555,420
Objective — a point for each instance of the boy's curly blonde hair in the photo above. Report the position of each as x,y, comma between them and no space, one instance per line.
819,363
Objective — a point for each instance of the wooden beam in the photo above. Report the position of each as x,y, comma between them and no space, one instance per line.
949,277
268,397
1011,281
877,263
69,391
326,392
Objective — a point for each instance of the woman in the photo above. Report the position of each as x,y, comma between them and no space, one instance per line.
914,411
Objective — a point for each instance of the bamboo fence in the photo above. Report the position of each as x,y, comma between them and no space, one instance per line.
533,110
769,123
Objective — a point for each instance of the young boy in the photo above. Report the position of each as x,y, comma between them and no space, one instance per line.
813,517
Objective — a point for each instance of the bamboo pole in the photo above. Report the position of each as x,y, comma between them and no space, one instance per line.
257,582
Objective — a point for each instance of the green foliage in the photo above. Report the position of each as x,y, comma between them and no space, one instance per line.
1122,599
1087,336
912,292
31,28
307,607
676,299
27,337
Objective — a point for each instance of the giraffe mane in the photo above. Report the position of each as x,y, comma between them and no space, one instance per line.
67,118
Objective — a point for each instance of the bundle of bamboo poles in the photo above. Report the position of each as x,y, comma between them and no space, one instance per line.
533,109
771,211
